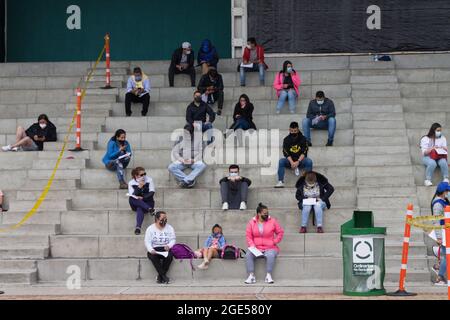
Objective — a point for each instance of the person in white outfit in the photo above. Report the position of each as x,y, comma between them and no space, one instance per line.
434,153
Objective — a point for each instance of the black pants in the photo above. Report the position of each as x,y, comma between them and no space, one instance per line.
173,71
160,263
131,98
219,97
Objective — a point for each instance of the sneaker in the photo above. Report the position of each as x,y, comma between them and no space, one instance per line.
219,112
278,111
440,283
303,230
165,279
242,84
297,171
428,183
123,186
329,143
446,180
280,184
319,230
191,184
15,149
203,266
435,269
137,231
268,279
7,148
152,212
225,206
251,279
309,144
159,280
243,206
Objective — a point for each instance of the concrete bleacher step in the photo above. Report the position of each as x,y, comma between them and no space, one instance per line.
17,264
54,205
38,185
374,109
21,252
34,229
372,65
372,79
377,141
18,276
379,116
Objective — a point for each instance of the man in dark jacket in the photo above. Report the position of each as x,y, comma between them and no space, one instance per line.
321,115
295,151
182,62
211,86
197,111
234,190
315,187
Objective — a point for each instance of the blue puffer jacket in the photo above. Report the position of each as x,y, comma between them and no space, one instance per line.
113,151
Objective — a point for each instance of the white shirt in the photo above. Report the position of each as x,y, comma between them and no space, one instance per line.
148,180
155,237
427,143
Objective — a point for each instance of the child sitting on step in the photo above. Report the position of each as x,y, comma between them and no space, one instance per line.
213,247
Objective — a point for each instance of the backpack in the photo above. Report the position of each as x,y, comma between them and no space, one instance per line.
230,252
182,252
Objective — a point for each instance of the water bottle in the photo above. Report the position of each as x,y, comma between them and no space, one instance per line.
297,172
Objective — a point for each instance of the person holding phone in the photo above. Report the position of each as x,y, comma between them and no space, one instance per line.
118,156
138,91
182,63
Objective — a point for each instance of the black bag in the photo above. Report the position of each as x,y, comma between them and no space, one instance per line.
230,252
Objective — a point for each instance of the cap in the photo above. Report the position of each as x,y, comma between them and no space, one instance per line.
442,187
186,45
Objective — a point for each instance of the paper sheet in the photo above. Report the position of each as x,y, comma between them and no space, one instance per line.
165,254
132,196
250,65
124,156
310,202
441,151
255,252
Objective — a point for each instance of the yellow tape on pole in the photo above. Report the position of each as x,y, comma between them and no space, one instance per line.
418,223
46,190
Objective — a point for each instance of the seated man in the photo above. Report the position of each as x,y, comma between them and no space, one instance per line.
197,111
211,87
2,209
187,153
182,62
295,151
234,190
321,115
253,54
138,91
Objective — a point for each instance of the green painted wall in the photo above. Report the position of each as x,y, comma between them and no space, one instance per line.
140,29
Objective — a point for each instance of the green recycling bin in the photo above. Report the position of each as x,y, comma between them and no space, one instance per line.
363,256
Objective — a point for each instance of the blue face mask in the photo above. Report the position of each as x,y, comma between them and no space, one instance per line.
138,78
290,69
217,235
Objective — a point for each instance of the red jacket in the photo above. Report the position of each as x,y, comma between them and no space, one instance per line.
260,54
271,237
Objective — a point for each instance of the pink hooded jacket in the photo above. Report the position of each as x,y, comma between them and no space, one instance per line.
279,79
272,235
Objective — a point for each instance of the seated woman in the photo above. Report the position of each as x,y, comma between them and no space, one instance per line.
287,83
34,137
207,56
315,186
434,152
243,114
159,239
213,246
141,191
118,156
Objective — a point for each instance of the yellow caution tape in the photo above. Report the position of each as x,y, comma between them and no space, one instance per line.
44,193
418,222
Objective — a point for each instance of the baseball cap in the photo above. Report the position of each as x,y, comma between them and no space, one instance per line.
186,45
442,187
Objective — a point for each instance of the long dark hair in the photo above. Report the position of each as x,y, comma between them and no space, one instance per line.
118,134
437,194
285,64
43,117
247,99
432,133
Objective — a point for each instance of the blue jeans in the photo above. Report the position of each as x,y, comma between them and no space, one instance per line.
205,128
291,96
431,165
242,124
318,211
256,68
329,124
443,263
284,163
177,169
119,167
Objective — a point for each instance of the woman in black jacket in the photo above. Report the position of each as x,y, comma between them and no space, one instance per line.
243,114
34,137
315,190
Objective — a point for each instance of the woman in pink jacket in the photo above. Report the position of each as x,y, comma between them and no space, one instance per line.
263,234
287,83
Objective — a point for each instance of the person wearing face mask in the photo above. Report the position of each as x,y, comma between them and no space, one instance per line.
141,191
213,247
253,53
321,115
438,204
197,112
234,190
182,63
160,237
211,88
434,153
34,137
295,151
188,153
118,156
207,56
243,114
2,208
287,83
138,91
263,233
313,185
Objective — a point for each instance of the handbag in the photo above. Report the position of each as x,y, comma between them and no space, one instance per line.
435,156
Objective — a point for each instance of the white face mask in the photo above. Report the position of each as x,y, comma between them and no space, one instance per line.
141,179
249,47
42,125
234,174
320,102
188,52
438,134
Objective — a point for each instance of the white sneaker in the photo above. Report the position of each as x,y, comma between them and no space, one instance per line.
297,172
428,183
446,180
280,184
243,206
203,266
225,206
15,149
269,278
251,279
440,283
7,148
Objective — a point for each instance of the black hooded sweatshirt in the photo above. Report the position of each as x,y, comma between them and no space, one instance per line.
49,133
